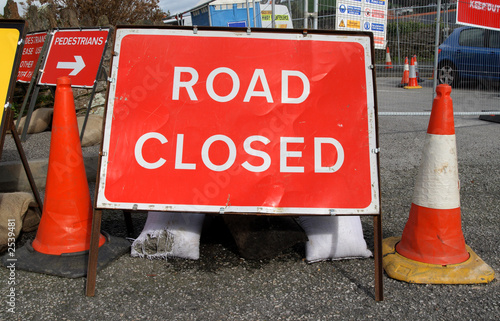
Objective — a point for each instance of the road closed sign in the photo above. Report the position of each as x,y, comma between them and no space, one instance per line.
74,53
228,121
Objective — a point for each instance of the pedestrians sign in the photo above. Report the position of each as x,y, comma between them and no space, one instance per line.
240,128
74,53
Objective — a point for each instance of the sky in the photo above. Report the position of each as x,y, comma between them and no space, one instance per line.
177,6
3,2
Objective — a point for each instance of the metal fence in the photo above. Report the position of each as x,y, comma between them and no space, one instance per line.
412,31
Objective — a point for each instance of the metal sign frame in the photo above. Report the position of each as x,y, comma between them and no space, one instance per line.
367,188
376,213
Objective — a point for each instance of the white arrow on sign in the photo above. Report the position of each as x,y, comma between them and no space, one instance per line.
77,65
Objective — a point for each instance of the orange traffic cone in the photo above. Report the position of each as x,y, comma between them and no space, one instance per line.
388,62
67,214
432,248
65,226
406,74
413,84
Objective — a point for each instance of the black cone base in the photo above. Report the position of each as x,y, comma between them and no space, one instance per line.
72,265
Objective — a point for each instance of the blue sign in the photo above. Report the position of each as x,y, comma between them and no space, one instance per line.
342,8
379,2
354,10
377,27
367,25
237,24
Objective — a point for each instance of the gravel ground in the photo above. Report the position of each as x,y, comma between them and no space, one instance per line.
222,286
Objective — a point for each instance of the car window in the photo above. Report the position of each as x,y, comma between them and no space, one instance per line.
494,40
471,38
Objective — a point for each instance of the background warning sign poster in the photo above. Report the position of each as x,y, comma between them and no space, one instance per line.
364,15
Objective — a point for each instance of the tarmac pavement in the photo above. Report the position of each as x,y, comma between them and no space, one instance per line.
223,286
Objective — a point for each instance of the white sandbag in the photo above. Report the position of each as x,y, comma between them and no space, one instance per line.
334,238
18,212
170,235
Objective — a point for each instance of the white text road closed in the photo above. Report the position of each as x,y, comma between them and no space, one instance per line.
76,54
272,123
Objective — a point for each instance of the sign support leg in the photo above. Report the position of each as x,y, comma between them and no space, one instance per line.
377,254
88,110
25,101
93,253
30,112
100,71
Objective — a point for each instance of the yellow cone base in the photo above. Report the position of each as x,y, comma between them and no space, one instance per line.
398,267
412,87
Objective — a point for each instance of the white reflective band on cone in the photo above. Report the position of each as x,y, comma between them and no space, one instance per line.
413,74
437,184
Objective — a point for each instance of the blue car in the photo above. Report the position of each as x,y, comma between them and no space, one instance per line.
469,54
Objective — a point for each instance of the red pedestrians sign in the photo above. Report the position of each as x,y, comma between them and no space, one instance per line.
76,54
33,45
484,13
212,121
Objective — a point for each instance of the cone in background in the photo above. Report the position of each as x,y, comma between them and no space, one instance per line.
432,248
388,62
413,84
65,226
416,69
406,74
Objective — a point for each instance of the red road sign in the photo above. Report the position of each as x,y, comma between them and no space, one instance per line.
273,123
33,44
76,54
485,13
